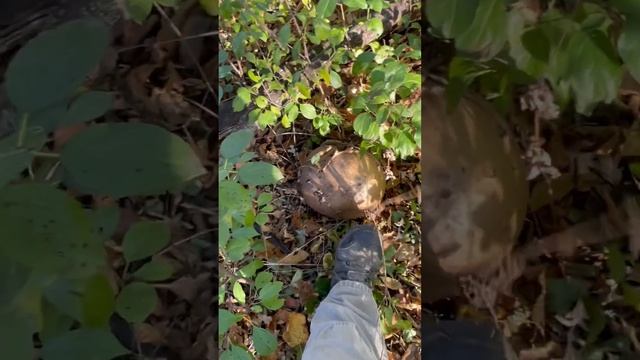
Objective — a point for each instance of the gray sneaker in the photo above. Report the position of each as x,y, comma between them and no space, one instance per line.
359,256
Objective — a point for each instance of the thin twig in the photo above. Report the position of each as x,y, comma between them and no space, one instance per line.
186,47
165,42
185,240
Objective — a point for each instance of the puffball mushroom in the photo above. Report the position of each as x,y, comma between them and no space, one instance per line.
341,183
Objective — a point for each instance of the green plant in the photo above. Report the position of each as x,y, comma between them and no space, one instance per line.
139,10
55,279
295,61
243,209
581,49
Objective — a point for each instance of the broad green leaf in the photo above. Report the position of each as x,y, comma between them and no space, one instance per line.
264,341
235,353
325,8
537,44
269,295
292,112
404,146
592,75
597,319
248,271
86,107
563,294
14,159
524,60
83,344
66,296
259,173
336,80
451,17
284,35
616,264
105,221
46,229
366,126
631,296
356,4
376,5
234,198
239,293
485,36
16,331
158,269
126,159
40,74
262,102
136,302
629,49
237,248
375,25
226,319
308,111
242,99
98,302
267,118
54,322
139,9
210,6
363,63
235,144
13,278
263,278
145,238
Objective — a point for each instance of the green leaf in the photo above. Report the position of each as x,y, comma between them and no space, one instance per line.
210,6
226,319
356,4
264,341
269,295
40,74
308,111
375,25
158,269
145,238
248,271
105,221
363,63
136,302
629,49
376,5
66,296
235,144
235,353
98,302
16,331
263,279
83,344
325,8
14,159
267,118
86,107
592,75
451,17
170,3
537,44
292,113
616,264
597,319
284,35
563,294
336,81
147,159
631,296
259,173
238,293
485,36
262,102
139,9
365,126
46,229
242,99
54,322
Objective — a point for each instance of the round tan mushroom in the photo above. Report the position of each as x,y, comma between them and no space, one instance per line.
475,191
342,184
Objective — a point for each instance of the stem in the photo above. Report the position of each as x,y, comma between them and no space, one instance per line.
23,129
46,155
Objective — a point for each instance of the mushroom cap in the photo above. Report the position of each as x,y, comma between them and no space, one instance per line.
475,192
341,184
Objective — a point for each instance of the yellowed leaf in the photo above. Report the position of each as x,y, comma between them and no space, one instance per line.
296,332
296,257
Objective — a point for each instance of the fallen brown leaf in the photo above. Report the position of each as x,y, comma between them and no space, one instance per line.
296,332
295,257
